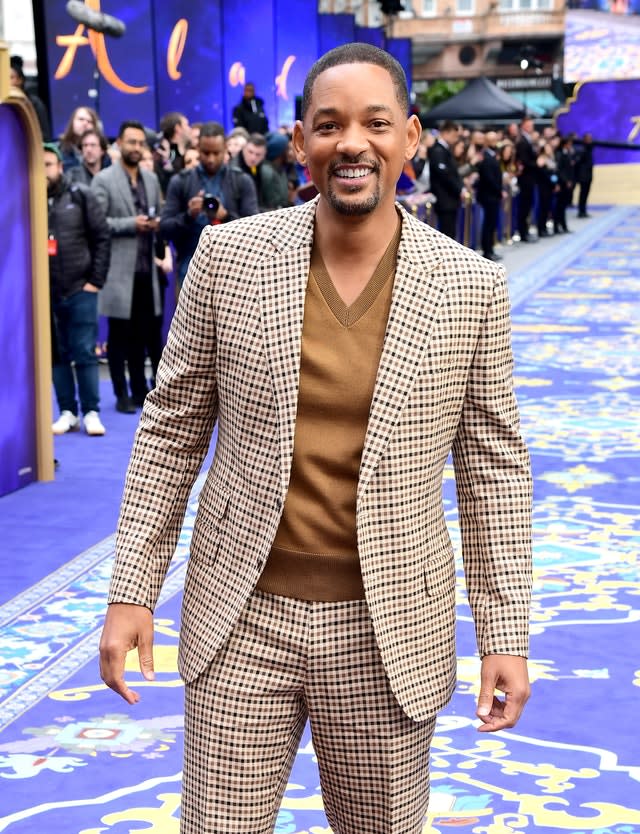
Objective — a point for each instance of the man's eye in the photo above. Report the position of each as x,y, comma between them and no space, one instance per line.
327,126
378,123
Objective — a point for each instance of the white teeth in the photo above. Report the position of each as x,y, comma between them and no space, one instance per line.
352,173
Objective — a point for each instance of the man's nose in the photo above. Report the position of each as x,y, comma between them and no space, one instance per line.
353,140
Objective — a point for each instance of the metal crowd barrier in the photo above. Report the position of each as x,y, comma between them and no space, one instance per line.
469,222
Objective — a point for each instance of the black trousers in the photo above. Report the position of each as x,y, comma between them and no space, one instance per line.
447,222
525,203
490,210
545,196
131,340
583,196
563,199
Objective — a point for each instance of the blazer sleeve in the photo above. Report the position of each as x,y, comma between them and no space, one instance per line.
171,440
494,486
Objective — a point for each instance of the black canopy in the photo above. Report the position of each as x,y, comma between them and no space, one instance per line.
480,101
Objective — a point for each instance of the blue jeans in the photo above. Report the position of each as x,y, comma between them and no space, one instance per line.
75,322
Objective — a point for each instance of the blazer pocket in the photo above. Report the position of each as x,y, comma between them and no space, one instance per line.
212,509
440,575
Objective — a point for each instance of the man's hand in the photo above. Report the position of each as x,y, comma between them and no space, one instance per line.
508,674
90,288
194,206
142,224
222,213
125,627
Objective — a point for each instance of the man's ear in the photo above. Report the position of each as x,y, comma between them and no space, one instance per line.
297,140
414,132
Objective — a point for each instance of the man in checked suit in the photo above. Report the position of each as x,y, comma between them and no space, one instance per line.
344,349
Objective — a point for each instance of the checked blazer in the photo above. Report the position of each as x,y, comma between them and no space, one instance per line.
444,383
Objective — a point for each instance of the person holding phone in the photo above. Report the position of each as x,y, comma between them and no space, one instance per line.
131,197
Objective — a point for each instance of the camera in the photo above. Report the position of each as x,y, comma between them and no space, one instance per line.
210,205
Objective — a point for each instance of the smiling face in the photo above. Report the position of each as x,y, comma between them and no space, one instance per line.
355,138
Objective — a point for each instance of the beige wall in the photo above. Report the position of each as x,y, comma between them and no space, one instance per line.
615,185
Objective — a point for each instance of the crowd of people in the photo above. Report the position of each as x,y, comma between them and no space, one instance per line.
537,172
126,213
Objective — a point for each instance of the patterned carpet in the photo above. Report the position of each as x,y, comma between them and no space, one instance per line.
74,759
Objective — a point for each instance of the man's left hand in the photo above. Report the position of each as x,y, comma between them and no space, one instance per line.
508,674
90,288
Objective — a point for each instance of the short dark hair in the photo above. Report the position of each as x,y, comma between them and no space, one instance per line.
357,53
211,129
257,139
448,125
131,123
169,123
102,139
17,65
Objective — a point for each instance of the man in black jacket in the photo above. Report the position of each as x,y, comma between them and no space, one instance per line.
527,177
489,194
249,112
79,253
210,193
584,173
446,183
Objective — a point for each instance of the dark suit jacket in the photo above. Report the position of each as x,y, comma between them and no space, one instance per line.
526,158
446,183
489,185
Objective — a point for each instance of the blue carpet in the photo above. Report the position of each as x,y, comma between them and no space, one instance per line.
74,759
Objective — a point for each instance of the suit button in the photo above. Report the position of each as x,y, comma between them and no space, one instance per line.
278,502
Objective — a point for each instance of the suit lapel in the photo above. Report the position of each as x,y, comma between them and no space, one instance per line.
283,277
417,296
125,188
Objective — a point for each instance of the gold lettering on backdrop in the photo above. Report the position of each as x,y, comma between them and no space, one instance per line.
177,43
237,74
281,80
99,48
635,130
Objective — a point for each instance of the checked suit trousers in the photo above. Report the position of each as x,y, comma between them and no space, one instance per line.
287,661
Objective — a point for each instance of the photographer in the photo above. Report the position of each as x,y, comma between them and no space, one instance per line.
212,192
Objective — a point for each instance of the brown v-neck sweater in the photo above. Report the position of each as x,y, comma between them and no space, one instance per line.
315,552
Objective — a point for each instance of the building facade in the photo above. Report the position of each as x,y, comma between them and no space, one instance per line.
517,43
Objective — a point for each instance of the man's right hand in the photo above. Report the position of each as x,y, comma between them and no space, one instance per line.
142,224
194,206
126,627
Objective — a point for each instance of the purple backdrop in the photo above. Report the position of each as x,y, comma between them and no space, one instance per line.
215,47
18,457
606,109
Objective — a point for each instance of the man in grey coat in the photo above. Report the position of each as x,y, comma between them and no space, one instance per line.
131,198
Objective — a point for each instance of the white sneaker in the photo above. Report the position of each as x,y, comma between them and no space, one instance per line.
67,421
92,424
